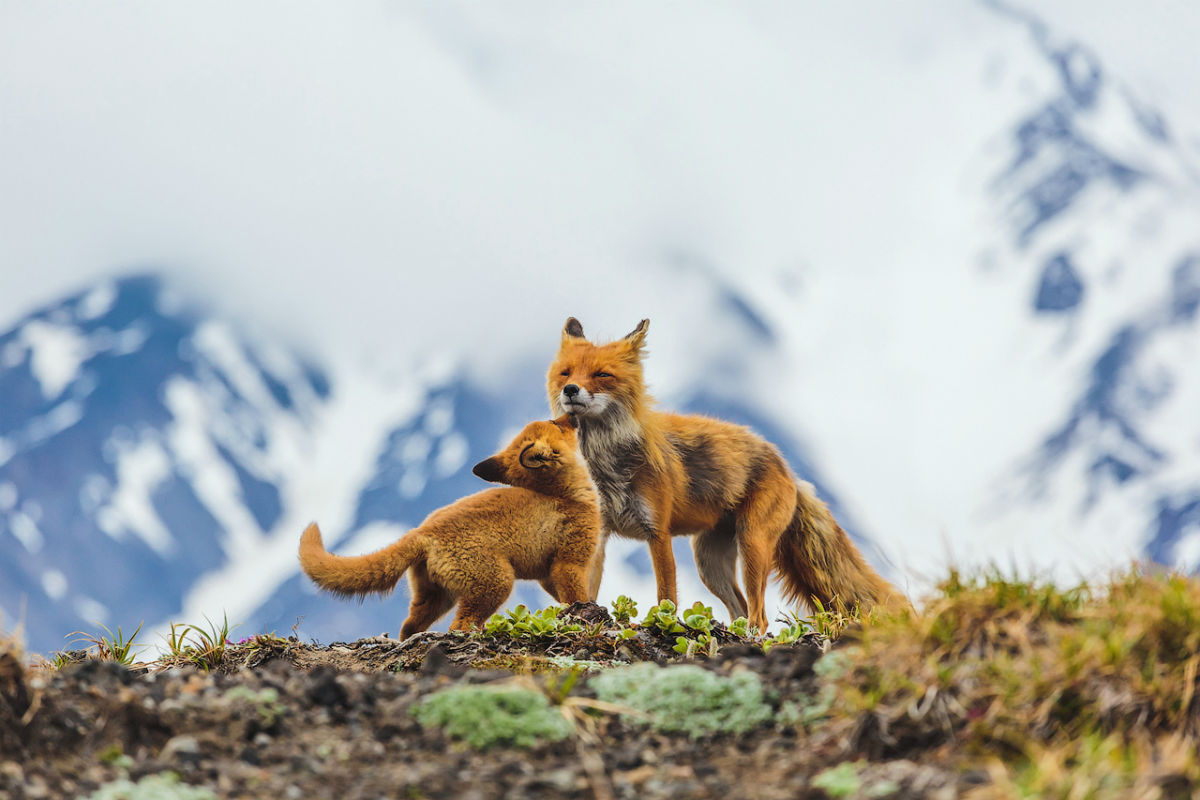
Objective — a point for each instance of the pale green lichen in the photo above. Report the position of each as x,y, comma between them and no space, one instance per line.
686,698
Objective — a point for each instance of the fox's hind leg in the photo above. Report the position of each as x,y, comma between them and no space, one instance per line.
429,601
716,561
570,581
489,589
761,519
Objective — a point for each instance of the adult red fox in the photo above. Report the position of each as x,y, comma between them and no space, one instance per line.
661,475
545,525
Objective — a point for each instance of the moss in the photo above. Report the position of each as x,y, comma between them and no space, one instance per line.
484,716
163,786
686,698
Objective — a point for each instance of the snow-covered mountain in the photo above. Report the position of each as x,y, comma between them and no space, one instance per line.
973,325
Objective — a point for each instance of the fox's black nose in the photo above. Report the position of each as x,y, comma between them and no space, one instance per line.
570,390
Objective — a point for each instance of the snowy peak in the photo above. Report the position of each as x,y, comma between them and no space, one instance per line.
140,437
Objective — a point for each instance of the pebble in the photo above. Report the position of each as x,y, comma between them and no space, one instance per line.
181,745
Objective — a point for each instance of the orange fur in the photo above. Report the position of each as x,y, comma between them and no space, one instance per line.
660,475
543,526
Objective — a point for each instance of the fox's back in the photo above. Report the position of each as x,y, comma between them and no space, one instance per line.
520,525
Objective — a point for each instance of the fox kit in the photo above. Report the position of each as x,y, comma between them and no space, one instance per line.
545,525
661,475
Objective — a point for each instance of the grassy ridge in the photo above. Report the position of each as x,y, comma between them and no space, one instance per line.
1087,692
1019,688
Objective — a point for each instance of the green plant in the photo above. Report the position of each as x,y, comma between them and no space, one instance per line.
840,781
624,610
113,647
742,628
627,633
787,634
266,703
686,698
521,622
114,756
163,786
662,619
699,617
484,716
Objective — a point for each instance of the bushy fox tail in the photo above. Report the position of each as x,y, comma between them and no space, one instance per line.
354,576
817,562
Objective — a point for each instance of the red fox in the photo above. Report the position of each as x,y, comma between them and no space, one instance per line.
661,475
545,525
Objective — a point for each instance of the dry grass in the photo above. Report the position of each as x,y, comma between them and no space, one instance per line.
1084,692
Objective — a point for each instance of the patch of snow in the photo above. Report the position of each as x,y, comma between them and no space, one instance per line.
412,483
141,468
57,353
94,493
92,610
217,342
415,448
97,302
27,533
451,455
54,421
211,477
8,495
54,584
1187,552
439,419
129,340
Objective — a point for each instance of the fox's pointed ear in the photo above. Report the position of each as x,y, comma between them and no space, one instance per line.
572,330
490,469
566,422
637,337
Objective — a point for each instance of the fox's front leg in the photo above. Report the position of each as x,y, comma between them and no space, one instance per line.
596,568
662,556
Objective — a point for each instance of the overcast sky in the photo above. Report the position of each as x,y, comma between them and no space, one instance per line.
358,173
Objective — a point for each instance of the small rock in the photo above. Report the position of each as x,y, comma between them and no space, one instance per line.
589,613
182,748
324,689
36,789
435,662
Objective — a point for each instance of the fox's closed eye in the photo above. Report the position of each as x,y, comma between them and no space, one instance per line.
601,375
565,373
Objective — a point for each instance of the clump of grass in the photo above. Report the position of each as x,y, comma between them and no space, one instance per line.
1098,768
163,786
108,646
1030,672
486,716
686,698
193,644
